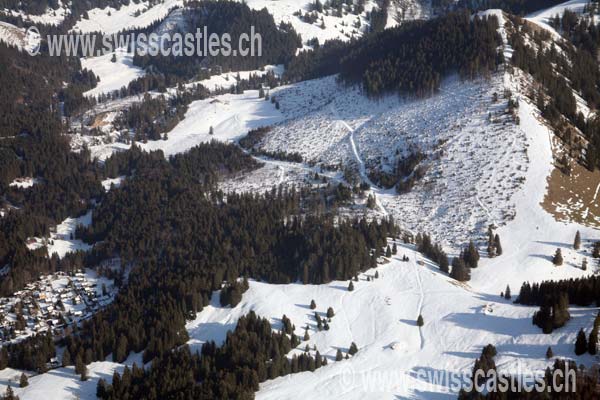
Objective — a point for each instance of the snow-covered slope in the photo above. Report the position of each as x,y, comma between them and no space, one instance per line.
19,37
113,75
135,15
49,17
380,317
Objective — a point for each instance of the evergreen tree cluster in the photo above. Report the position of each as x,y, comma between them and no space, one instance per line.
581,291
32,353
167,220
432,251
410,59
278,44
462,265
251,354
583,388
553,313
573,67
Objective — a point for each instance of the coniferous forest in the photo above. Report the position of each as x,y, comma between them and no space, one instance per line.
411,59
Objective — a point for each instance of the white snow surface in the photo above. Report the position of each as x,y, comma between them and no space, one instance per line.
110,20
380,317
64,383
60,241
113,75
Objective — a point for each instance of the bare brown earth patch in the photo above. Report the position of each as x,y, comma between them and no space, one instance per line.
574,196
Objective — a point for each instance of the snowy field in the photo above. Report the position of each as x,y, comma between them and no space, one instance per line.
380,317
61,241
113,75
135,15
476,154
110,20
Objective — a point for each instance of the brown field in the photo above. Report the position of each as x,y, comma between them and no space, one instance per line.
574,197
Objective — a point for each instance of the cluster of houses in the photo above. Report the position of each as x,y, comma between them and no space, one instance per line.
53,303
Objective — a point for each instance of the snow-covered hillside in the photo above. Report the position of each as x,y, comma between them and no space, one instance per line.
380,317
18,37
135,15
49,17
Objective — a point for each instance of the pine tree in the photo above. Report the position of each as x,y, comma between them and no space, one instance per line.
388,252
549,353
84,374
558,258
350,287
507,294
420,321
101,390
66,358
581,345
306,335
23,381
498,245
353,349
9,394
459,271
577,242
330,313
593,342
79,365
313,305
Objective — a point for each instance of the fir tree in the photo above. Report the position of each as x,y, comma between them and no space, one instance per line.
338,355
584,264
593,341
313,305
9,394
581,345
84,374
420,321
350,287
549,353
507,294
498,245
353,349
558,258
459,270
376,274
101,390
330,313
388,252
394,249
577,242
66,358
23,381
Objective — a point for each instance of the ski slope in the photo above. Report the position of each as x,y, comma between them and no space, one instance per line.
380,317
